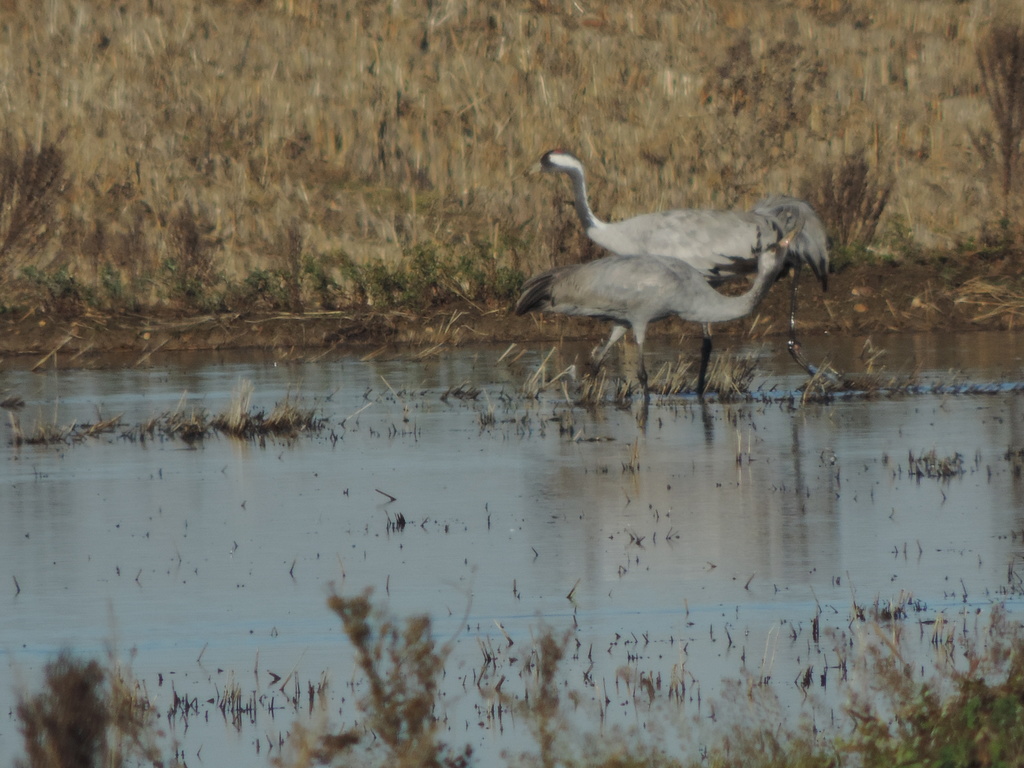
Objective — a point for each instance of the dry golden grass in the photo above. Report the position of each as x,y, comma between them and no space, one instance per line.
728,376
992,299
203,141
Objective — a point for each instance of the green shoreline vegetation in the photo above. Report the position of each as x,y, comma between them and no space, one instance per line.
305,155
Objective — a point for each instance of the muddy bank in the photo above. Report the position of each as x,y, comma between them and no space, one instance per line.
860,300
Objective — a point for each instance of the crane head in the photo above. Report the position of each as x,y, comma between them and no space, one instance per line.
810,246
558,161
790,236
775,256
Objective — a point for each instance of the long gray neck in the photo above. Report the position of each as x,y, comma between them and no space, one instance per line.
579,190
721,308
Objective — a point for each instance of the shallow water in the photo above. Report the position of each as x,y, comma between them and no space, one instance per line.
702,547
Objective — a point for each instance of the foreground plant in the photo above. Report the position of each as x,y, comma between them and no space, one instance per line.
967,711
86,716
402,665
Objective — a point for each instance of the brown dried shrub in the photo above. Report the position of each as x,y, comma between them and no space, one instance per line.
86,716
850,198
31,182
1001,61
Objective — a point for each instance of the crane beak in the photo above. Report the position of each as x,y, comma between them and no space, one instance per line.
789,237
534,169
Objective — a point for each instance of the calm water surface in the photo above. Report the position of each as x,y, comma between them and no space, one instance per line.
701,549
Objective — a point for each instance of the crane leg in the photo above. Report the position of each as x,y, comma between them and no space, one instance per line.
641,375
642,414
641,369
797,354
599,353
705,355
794,344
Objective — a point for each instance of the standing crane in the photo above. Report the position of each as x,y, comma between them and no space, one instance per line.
633,291
720,245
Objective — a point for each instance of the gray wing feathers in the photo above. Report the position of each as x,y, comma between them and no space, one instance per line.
627,289
718,244
722,244
613,286
536,292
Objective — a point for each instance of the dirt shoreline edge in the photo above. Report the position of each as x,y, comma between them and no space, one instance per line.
860,301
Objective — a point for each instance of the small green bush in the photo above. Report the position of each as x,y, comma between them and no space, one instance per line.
263,288
58,291
428,277
317,272
112,293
